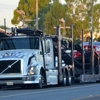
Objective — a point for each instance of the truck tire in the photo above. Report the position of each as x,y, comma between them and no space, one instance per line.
63,83
68,79
40,84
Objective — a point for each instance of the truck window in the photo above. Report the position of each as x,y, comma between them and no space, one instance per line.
44,46
47,46
21,43
1,45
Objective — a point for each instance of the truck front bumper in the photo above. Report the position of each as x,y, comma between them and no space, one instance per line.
29,79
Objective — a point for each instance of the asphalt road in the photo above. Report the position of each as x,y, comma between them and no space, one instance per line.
74,92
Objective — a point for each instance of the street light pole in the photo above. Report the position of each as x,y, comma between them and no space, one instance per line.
36,14
92,50
5,24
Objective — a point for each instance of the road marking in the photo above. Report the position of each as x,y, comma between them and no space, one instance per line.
70,88
90,96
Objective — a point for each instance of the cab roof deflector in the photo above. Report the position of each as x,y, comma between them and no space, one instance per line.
29,32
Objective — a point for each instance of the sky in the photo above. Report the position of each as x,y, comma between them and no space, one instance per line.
6,10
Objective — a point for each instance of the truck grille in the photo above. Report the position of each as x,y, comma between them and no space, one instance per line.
15,67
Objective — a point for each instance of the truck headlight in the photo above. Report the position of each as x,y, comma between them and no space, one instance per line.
32,70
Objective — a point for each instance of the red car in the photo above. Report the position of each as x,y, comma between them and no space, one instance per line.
87,55
87,47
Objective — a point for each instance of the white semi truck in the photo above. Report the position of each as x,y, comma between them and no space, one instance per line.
29,59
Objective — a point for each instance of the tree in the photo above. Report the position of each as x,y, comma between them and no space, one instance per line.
29,7
52,18
42,16
97,17
80,14
75,12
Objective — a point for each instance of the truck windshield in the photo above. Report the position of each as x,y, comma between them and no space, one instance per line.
19,43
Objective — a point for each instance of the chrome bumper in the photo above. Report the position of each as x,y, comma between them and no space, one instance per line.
30,79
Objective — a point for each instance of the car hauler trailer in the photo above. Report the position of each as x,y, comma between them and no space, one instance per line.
28,59
86,63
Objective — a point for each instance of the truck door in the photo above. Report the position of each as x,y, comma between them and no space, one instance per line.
49,55
51,71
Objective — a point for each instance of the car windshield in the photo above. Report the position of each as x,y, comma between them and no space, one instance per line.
20,43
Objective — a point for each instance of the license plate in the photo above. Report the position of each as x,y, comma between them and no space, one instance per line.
10,83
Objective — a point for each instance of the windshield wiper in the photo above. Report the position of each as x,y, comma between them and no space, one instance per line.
9,66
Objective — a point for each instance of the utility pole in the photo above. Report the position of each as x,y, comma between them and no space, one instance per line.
83,59
5,24
36,14
92,50
59,54
72,48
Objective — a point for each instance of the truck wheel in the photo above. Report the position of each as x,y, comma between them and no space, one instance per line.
69,79
40,84
63,81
